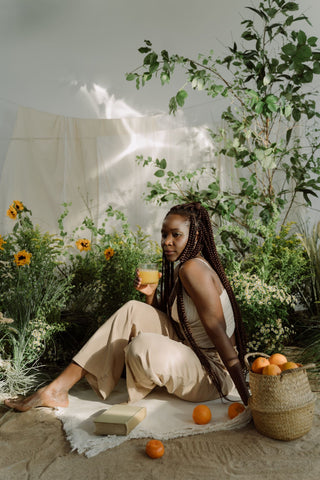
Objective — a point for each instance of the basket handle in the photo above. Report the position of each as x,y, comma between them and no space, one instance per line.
303,367
253,354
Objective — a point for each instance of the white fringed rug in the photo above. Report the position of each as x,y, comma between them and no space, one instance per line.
167,417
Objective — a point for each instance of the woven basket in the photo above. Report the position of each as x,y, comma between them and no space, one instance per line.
282,405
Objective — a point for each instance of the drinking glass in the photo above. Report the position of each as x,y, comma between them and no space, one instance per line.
148,272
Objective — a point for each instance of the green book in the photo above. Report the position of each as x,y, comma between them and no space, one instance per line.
119,419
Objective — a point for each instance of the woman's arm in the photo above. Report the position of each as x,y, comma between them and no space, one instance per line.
204,289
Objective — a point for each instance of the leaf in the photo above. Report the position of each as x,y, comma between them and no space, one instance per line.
306,192
271,12
272,103
296,114
312,41
159,173
258,12
153,67
172,105
302,38
194,83
266,158
248,35
287,112
303,53
165,55
150,58
144,49
164,78
200,84
288,135
271,99
254,95
307,77
316,68
290,6
180,97
289,49
163,163
259,107
267,79
131,76
289,20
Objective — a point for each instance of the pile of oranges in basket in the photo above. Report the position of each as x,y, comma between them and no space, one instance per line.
273,365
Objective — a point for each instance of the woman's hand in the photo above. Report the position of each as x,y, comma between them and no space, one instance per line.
149,289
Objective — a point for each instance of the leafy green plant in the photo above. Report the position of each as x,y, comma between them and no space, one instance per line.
281,259
311,288
103,268
308,321
265,77
270,132
265,309
32,294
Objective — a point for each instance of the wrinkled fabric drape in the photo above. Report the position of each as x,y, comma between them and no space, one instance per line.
91,163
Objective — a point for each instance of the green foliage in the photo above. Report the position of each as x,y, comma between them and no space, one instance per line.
308,323
311,292
280,259
103,274
267,284
271,134
265,309
266,78
56,291
32,293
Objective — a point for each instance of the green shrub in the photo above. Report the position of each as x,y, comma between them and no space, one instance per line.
32,293
265,310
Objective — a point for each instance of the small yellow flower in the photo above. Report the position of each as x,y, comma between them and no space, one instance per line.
12,212
83,244
18,205
108,253
2,242
22,258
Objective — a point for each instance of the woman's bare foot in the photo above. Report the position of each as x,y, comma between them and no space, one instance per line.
53,395
44,397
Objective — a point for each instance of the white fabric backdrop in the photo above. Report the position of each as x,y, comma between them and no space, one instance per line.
53,159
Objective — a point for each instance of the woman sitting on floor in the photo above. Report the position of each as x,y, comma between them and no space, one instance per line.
191,341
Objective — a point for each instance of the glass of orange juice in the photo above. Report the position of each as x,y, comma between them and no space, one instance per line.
148,272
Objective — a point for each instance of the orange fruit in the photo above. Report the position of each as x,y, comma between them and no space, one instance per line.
271,370
201,414
234,409
155,448
258,364
288,366
277,359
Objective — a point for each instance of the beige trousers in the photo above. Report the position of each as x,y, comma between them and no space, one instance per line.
142,339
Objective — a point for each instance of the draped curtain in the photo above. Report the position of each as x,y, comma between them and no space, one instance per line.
91,163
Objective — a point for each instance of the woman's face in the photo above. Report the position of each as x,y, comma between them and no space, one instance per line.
174,236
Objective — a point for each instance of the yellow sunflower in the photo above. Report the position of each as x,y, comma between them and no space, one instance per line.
12,212
108,253
22,258
2,242
18,205
83,244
